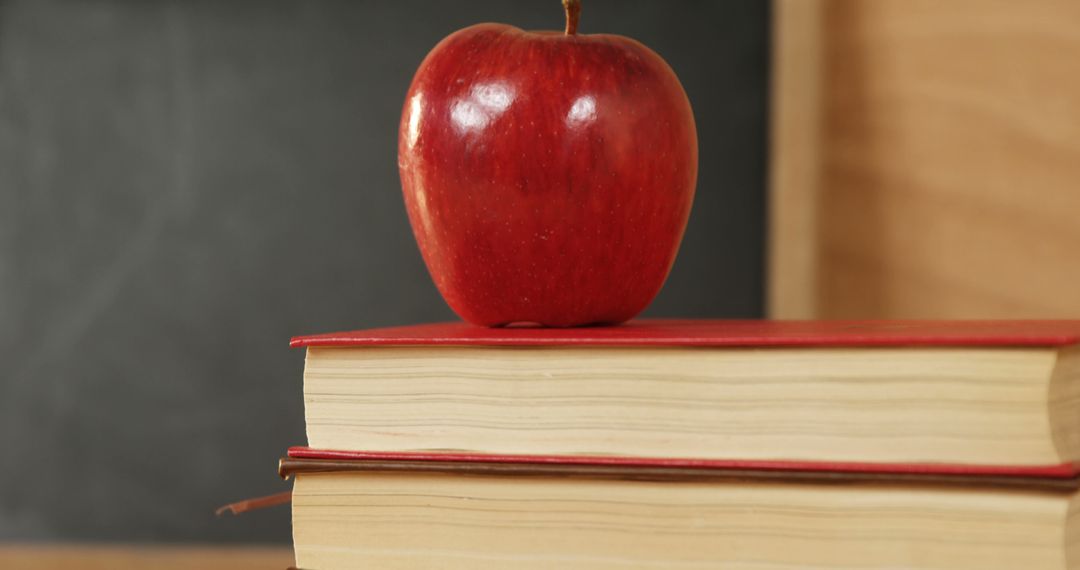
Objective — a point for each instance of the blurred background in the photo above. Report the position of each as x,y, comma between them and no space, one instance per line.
185,185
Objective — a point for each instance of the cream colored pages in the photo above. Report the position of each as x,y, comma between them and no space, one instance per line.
476,523
936,405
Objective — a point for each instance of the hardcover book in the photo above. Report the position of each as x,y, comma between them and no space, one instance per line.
363,510
691,444
926,395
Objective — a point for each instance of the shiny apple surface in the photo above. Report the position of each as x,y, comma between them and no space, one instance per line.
548,177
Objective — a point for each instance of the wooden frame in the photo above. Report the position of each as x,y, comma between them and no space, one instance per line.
925,159
794,158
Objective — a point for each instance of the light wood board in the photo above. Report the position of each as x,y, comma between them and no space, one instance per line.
948,135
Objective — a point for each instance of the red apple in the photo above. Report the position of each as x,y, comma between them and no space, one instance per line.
548,176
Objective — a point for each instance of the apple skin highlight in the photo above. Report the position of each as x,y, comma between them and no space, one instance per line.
548,176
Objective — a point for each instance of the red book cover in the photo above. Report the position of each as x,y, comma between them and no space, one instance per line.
721,333
1062,472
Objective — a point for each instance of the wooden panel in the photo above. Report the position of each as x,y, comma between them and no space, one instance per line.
950,181
795,158
65,557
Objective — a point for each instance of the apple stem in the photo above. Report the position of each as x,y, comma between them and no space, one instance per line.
573,12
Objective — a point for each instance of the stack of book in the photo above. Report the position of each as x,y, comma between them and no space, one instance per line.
691,444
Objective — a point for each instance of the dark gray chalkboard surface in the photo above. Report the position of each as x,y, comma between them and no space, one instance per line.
184,185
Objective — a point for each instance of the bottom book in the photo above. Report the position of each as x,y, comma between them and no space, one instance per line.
406,515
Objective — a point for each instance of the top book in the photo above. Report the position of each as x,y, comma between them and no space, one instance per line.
923,393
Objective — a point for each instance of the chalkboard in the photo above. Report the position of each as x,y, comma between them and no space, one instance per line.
185,185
